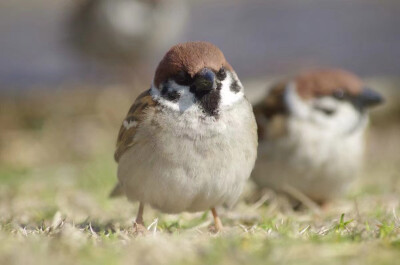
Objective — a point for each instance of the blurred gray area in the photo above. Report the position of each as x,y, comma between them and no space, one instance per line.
34,45
259,38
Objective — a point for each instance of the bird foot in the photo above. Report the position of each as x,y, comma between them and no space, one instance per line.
214,229
139,229
217,227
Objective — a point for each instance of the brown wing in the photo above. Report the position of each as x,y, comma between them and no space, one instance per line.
132,122
271,113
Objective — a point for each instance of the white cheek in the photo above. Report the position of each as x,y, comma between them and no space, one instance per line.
229,97
297,107
320,118
186,99
326,103
345,119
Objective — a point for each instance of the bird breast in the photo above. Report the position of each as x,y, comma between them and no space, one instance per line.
185,163
316,162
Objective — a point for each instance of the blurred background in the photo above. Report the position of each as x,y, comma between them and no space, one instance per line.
69,71
259,38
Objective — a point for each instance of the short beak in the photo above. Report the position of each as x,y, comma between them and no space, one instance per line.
368,98
205,80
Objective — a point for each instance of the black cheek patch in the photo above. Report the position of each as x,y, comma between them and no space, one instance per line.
235,86
170,95
173,96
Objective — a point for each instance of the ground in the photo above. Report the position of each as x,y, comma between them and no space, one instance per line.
56,170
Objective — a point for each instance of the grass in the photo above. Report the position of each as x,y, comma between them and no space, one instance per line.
56,170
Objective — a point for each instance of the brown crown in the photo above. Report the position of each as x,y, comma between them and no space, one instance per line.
190,57
319,83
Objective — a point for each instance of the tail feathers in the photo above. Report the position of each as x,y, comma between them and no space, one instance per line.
117,191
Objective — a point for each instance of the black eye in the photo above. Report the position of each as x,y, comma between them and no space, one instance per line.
325,110
339,94
183,79
221,75
328,112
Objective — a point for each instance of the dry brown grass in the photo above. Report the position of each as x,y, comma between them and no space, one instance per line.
56,170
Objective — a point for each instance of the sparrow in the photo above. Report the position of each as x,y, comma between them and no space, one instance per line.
125,31
311,131
189,143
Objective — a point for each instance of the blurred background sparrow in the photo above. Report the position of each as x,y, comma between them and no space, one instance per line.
311,130
126,33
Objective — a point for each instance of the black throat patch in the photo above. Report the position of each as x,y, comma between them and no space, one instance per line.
209,101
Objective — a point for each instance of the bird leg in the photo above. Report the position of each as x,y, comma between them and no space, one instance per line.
139,216
217,221
138,226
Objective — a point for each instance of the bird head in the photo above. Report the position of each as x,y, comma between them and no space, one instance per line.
196,74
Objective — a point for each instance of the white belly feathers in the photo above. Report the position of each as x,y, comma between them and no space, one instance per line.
183,163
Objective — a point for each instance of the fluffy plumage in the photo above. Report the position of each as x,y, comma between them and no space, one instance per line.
133,119
175,154
311,130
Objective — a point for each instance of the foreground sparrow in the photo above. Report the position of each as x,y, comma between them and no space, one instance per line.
189,143
311,133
